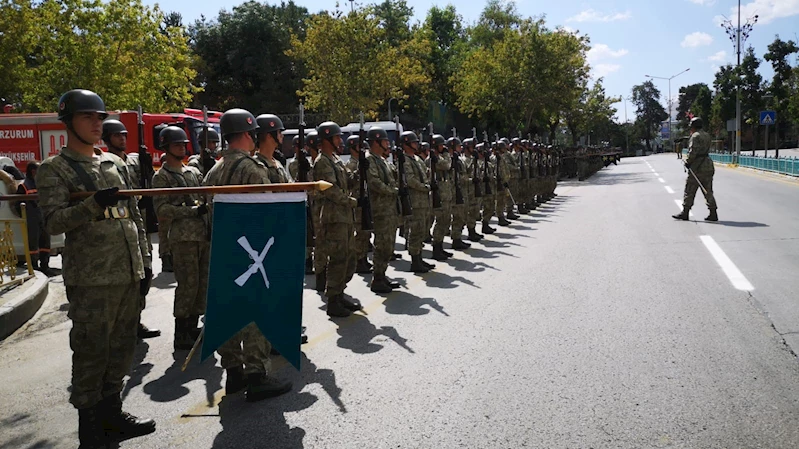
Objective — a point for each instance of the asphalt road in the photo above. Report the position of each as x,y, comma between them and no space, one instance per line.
598,321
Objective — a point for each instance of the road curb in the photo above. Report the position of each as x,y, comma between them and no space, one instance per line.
18,311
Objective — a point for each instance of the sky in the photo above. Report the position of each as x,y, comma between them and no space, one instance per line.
629,39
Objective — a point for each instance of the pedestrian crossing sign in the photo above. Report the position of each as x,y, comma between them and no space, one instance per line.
768,117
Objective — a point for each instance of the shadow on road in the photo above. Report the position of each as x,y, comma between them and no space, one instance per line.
483,254
737,224
357,332
497,243
465,265
26,439
441,280
170,386
140,369
404,303
164,280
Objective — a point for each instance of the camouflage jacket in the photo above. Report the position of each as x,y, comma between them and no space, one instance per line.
180,210
698,150
505,166
335,204
98,251
277,173
196,161
354,181
464,175
443,170
416,173
382,184
246,172
294,169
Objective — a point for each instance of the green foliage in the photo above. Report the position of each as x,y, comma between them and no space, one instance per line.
646,98
116,48
723,105
781,88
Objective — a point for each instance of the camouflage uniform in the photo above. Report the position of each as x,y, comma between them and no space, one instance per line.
104,263
361,241
196,161
443,215
419,186
459,211
335,214
473,211
504,170
512,160
382,184
316,251
248,347
189,232
489,200
702,166
277,173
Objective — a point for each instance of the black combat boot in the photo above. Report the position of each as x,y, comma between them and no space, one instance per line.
392,284
503,221
363,266
350,304
512,216
261,386
429,265
183,340
145,332
474,236
308,265
321,282
44,265
166,263
335,307
681,216
438,252
235,381
712,216
488,229
460,244
119,425
90,430
380,284
417,266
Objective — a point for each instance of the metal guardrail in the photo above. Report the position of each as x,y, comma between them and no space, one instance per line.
8,256
783,165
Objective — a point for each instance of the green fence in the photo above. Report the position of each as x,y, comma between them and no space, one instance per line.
783,165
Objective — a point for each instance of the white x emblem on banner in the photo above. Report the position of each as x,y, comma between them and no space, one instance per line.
258,261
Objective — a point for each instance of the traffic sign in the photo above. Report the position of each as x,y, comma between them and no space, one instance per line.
768,117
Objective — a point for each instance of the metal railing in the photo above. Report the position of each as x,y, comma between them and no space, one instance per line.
8,255
784,165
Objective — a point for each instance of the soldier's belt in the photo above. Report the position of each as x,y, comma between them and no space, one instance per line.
114,213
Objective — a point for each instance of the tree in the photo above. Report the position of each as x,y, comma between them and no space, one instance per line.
394,17
242,60
591,114
352,67
751,92
497,17
780,88
723,104
702,104
686,99
650,113
443,30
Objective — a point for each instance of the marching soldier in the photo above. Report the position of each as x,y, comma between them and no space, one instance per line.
473,209
103,289
189,233
361,242
115,137
424,154
383,194
443,215
245,357
459,211
204,161
502,172
419,186
703,170
336,229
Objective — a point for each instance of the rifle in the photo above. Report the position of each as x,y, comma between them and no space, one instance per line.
486,156
146,173
434,188
205,154
363,198
478,193
404,192
456,166
498,157
303,169
522,169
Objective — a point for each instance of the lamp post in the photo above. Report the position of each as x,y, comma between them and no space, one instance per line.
671,141
626,124
389,107
738,36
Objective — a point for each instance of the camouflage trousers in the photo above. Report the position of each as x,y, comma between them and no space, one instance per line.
443,216
319,254
502,199
163,239
691,186
459,214
385,238
248,347
103,339
489,204
416,231
473,211
361,246
190,262
338,245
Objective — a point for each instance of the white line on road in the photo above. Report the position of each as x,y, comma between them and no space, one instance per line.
735,276
669,189
655,173
662,180
679,205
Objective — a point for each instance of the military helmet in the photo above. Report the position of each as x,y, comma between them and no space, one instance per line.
696,123
516,141
438,139
468,142
327,130
505,139
295,140
236,120
502,145
376,134
312,139
113,127
408,137
80,100
170,135
453,142
352,141
425,146
213,136
268,123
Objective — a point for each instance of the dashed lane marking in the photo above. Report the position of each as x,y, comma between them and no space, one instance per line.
669,189
679,205
662,180
735,276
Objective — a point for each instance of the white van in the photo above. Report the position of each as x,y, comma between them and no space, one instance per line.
7,213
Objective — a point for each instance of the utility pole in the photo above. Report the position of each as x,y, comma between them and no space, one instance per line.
626,125
738,36
671,137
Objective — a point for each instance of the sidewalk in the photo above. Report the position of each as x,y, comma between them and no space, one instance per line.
19,303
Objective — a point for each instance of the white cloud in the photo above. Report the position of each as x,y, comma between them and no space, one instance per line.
767,10
600,52
601,70
697,39
703,2
718,57
591,15
568,29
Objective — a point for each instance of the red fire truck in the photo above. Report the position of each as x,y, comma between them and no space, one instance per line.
27,137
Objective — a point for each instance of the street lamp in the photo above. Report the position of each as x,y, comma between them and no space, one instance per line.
389,107
626,125
671,141
738,36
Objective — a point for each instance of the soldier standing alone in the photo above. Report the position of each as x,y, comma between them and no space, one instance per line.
699,162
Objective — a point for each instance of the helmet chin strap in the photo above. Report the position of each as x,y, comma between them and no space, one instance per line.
72,128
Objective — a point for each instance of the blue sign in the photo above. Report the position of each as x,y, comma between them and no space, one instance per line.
768,117
664,130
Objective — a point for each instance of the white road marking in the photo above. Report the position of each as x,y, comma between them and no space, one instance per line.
679,206
662,180
735,276
669,189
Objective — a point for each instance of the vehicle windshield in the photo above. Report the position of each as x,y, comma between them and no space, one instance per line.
196,126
